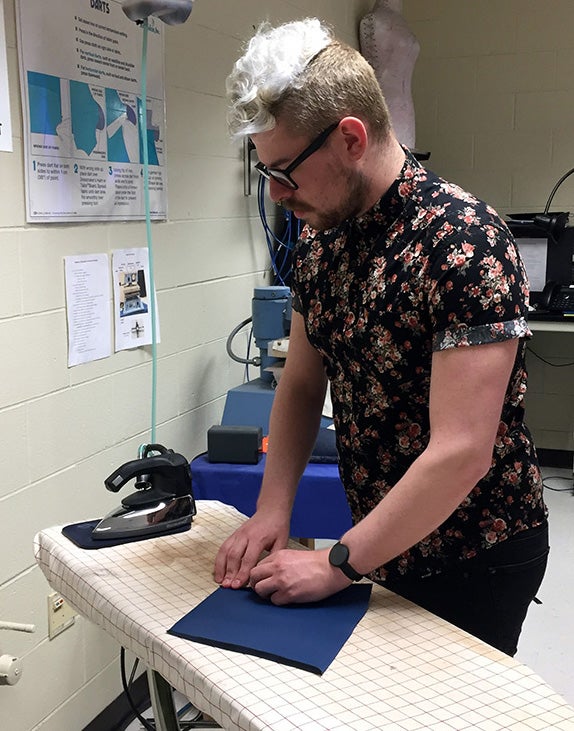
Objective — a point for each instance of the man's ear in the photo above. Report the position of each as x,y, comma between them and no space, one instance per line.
355,137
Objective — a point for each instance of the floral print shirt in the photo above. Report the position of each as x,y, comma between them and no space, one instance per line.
429,267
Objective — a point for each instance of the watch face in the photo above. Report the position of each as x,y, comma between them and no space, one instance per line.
339,554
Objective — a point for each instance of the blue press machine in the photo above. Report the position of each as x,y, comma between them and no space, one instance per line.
250,404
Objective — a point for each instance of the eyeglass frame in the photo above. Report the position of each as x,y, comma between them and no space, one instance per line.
283,175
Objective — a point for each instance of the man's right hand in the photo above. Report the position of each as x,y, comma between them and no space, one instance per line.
265,531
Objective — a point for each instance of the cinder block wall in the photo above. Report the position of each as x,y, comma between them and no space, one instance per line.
64,430
494,97
493,94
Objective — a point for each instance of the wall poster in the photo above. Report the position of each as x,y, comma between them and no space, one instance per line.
80,71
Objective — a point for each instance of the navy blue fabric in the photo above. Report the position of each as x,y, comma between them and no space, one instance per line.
306,636
321,509
325,449
81,535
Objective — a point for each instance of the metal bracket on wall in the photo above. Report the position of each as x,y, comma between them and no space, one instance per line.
248,146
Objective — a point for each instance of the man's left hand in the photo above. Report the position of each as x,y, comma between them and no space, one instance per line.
292,576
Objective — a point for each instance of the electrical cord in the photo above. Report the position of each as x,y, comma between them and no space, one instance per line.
133,672
279,251
144,132
144,135
270,237
554,365
552,477
149,724
256,361
279,248
555,188
249,340
558,489
144,722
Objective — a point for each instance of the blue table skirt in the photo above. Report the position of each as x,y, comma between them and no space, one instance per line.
320,510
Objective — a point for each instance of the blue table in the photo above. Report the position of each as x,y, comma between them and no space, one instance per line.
320,510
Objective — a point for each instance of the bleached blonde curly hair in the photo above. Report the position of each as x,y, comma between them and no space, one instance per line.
300,73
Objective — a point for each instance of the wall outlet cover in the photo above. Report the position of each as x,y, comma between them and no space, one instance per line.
60,615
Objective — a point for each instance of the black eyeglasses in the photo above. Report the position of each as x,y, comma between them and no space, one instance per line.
284,176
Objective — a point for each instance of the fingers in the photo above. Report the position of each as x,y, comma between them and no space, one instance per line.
234,561
288,576
265,583
242,550
271,580
266,590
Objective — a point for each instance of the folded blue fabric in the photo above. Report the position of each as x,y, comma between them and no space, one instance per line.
307,636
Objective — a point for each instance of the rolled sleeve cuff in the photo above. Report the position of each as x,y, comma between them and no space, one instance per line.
462,335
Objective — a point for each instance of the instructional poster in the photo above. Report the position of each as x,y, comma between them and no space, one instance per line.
80,71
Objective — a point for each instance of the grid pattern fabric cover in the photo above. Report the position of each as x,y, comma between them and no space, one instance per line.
402,669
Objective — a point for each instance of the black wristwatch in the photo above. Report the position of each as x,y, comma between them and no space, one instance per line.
339,557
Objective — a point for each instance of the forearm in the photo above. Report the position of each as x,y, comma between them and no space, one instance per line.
294,421
427,494
293,428
458,455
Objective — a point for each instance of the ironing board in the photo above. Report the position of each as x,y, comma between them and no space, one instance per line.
402,669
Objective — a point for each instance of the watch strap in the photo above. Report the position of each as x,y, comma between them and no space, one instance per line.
338,557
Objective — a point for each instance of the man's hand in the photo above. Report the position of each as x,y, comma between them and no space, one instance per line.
241,551
290,575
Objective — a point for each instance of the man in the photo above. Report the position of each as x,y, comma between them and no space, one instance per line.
409,300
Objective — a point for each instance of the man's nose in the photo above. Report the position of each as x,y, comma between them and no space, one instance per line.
279,192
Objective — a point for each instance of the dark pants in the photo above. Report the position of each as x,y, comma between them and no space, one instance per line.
487,596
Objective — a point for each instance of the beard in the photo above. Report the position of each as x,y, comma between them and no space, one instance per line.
356,188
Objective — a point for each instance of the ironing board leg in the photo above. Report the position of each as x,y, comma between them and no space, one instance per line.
161,697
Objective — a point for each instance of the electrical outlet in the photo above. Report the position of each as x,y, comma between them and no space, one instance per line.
60,615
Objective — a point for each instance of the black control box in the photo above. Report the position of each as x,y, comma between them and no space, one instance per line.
235,444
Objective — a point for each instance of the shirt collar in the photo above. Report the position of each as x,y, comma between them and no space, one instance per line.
390,204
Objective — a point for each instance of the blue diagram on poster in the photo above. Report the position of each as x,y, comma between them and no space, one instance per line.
151,135
87,117
45,102
123,130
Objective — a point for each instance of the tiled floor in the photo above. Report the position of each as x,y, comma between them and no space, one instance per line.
547,641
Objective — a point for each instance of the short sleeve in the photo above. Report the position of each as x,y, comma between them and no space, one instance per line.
478,288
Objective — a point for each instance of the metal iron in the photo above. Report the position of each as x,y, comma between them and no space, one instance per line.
163,502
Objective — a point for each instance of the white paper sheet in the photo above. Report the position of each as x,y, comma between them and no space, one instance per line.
534,253
88,308
132,299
